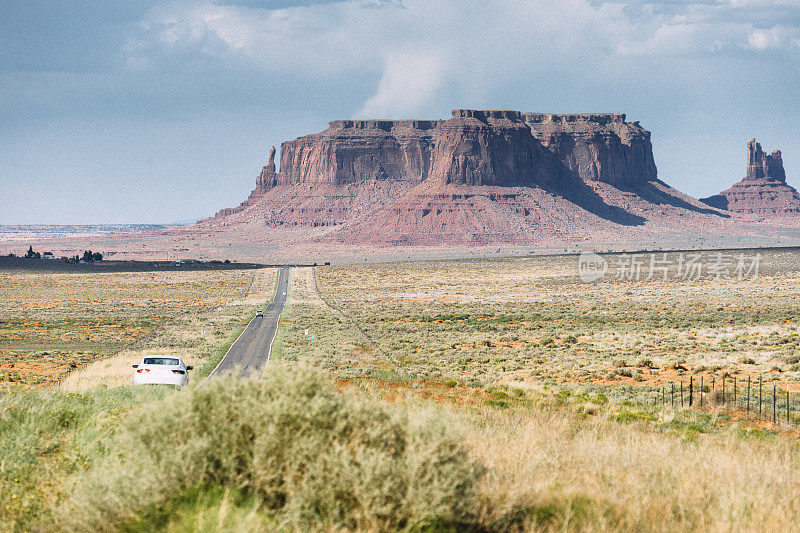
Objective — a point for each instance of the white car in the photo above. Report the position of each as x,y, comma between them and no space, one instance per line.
161,370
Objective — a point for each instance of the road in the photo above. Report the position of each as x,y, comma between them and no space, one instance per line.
250,353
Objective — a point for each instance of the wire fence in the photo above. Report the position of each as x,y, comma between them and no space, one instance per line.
754,398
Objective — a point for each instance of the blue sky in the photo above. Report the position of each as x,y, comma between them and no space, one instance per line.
143,111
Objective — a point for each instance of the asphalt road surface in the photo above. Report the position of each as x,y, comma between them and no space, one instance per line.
250,353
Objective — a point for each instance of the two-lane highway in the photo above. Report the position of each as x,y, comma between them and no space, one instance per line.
251,351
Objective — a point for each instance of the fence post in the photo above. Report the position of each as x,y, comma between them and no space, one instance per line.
691,389
760,390
681,393
774,401
672,395
713,384
701,392
723,389
734,393
748,396
787,403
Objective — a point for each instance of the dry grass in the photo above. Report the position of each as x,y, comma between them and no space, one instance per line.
527,321
573,473
55,325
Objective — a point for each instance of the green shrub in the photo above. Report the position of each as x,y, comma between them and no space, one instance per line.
570,513
498,395
627,417
311,456
204,509
599,399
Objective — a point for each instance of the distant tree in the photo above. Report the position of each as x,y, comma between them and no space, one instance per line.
87,255
12,255
30,253
97,256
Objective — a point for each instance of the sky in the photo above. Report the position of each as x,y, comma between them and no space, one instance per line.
152,111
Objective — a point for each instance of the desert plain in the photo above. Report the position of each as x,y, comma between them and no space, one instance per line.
547,402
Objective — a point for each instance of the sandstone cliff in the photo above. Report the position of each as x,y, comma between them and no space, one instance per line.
352,151
763,191
503,148
597,147
491,148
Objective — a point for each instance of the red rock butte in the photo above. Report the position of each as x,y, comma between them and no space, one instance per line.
763,191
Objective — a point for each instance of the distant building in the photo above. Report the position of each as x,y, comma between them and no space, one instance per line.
48,255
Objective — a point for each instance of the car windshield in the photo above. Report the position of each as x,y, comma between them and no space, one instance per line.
160,361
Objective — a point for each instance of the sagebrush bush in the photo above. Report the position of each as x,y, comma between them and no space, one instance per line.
313,456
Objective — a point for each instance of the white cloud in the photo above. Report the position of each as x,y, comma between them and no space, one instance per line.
776,37
409,80
423,51
761,3
322,39
669,39
763,39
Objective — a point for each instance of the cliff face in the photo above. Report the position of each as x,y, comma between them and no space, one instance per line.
505,148
763,191
491,148
597,147
357,166
352,151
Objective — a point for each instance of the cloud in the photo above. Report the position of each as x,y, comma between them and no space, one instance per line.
761,3
776,37
763,39
414,56
316,40
274,4
409,80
